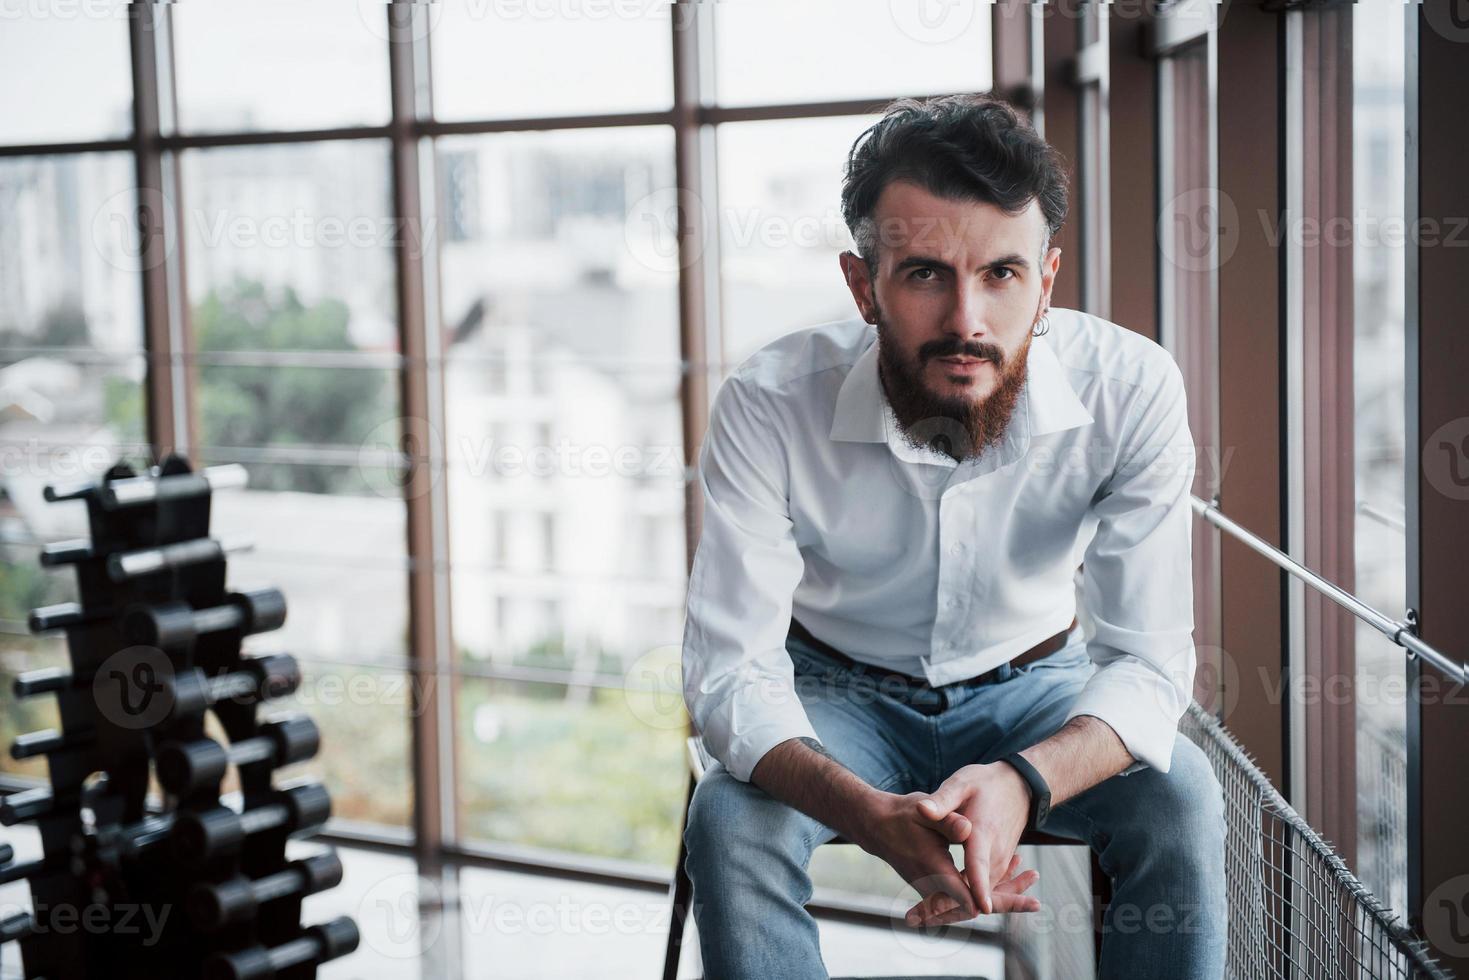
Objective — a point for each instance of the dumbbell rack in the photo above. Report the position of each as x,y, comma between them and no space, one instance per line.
154,644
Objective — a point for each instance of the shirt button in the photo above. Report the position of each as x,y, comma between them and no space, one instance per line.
949,603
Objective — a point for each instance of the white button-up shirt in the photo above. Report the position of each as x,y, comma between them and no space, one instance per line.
815,506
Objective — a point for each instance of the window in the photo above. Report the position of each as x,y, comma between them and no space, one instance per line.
1189,223
1093,205
71,380
1379,401
781,227
513,60
308,65
827,50
561,388
39,51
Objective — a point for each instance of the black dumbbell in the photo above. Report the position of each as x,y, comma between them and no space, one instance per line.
16,926
65,552
125,565
201,836
132,491
62,615
184,767
174,625
259,679
42,681
318,945
214,905
39,801
49,740
25,869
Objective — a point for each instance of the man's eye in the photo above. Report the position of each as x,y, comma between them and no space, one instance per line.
1009,273
914,274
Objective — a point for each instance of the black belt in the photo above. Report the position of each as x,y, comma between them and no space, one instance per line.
1044,648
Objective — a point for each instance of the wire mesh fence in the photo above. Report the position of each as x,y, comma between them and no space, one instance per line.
1295,910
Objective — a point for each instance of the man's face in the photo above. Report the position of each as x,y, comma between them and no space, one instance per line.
959,285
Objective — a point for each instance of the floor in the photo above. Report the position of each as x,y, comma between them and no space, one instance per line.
525,927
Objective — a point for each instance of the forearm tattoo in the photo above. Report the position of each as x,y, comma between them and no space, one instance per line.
818,748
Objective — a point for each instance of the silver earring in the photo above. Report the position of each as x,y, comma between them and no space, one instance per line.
1045,323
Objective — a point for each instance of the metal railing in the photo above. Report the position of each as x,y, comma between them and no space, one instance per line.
1295,908
1400,632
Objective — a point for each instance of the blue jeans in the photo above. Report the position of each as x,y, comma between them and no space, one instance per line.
1158,836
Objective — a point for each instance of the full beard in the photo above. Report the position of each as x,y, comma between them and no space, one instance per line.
959,427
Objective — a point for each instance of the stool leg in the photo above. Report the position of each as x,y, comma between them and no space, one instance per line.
683,888
1101,897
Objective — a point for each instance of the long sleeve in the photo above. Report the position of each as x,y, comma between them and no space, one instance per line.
737,676
1138,582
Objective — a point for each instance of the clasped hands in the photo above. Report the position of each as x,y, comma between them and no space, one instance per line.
982,807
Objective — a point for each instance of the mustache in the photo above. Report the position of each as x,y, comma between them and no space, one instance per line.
953,347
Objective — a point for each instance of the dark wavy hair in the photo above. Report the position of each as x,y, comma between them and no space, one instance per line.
961,147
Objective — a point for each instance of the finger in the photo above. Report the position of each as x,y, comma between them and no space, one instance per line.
927,908
1010,869
941,801
977,870
1001,868
1004,902
955,827
952,885
1020,883
939,911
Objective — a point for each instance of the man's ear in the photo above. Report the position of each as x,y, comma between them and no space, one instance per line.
1050,266
859,282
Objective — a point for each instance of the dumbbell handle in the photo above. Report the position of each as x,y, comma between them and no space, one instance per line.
48,740
16,926
26,805
62,615
15,872
176,486
321,943
184,767
37,802
173,623
137,490
214,905
41,681
125,565
200,836
260,679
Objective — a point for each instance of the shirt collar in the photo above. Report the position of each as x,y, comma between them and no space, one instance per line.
1049,403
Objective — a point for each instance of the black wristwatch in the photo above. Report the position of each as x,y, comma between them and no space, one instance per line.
1040,790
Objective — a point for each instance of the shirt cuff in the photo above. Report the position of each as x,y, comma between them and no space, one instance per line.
752,722
1141,706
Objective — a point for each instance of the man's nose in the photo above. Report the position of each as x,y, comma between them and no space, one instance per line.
967,316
